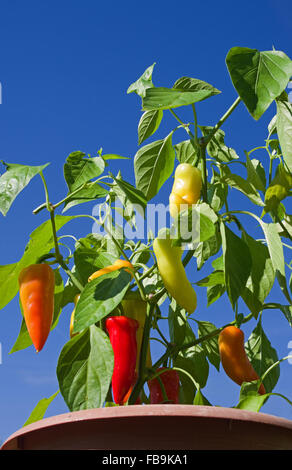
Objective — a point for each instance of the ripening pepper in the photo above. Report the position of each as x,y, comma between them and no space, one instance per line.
170,381
186,188
76,298
36,292
173,273
136,308
234,358
277,190
122,334
120,263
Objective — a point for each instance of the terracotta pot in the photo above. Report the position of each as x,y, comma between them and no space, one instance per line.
155,427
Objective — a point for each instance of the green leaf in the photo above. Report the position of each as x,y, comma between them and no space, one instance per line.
143,83
252,401
153,165
262,276
210,346
217,148
208,248
79,170
186,153
194,84
217,192
41,242
200,399
88,260
100,297
85,368
129,194
40,409
262,355
194,225
167,98
256,173
237,263
275,248
216,277
214,293
89,193
284,130
14,180
258,77
177,323
242,185
148,124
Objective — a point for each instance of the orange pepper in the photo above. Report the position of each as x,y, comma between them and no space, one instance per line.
234,358
36,292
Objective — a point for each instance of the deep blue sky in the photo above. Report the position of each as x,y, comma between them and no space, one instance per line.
65,68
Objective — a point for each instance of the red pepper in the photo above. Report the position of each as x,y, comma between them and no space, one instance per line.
170,381
122,333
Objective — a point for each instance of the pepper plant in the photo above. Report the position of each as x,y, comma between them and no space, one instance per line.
152,287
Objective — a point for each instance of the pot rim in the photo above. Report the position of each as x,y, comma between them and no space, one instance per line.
199,411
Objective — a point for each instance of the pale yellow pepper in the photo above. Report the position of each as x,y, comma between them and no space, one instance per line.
186,188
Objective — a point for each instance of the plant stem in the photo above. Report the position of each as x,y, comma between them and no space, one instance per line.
195,124
222,120
185,126
204,172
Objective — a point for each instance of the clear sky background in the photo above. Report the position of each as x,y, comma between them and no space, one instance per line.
65,68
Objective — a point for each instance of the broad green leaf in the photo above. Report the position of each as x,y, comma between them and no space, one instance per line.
40,409
41,242
275,248
237,263
258,77
252,401
177,323
186,153
148,124
153,165
214,293
125,191
208,248
167,98
284,130
216,277
85,368
23,340
217,192
79,170
242,185
14,180
262,276
262,355
217,148
256,173
88,260
210,346
194,84
89,193
100,297
143,83
197,224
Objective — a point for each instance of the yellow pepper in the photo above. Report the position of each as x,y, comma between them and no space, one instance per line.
118,264
186,189
76,298
173,273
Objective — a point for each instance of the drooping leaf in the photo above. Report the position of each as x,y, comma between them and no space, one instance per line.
245,187
100,297
85,368
14,180
258,77
210,346
217,148
148,124
78,170
153,165
284,130
237,263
